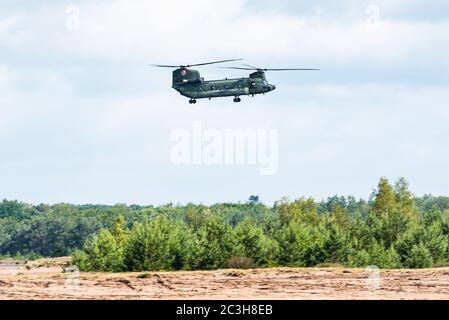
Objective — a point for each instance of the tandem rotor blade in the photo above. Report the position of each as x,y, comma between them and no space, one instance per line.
162,66
192,65
237,68
249,67
291,69
214,62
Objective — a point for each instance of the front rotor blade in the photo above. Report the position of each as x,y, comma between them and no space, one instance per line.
291,69
162,66
238,68
252,67
214,62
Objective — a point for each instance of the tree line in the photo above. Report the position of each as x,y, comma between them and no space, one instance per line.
393,229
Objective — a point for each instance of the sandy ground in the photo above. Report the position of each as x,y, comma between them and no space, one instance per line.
47,281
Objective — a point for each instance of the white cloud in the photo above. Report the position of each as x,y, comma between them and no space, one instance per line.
30,97
6,30
180,31
329,130
336,132
3,78
118,31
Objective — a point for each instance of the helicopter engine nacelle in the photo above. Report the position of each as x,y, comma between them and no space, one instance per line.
258,75
184,76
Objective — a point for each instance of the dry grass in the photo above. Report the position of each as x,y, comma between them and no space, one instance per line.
49,263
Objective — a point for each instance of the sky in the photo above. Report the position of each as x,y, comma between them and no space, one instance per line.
83,119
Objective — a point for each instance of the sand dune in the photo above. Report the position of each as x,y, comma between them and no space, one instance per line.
48,281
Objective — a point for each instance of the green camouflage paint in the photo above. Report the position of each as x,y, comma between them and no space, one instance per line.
190,84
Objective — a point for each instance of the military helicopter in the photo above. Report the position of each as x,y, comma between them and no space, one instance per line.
190,84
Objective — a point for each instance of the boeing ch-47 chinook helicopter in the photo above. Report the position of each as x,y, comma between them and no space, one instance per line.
190,84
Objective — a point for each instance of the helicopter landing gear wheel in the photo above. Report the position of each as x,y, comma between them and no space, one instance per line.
237,100
192,101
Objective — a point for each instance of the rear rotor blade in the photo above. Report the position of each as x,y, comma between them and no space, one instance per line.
251,68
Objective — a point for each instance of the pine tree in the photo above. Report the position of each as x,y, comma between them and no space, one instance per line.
420,257
301,210
358,258
339,216
119,231
218,243
385,198
335,240
100,253
301,245
383,258
405,200
254,244
155,246
436,242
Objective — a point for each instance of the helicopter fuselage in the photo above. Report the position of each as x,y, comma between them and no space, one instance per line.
189,84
